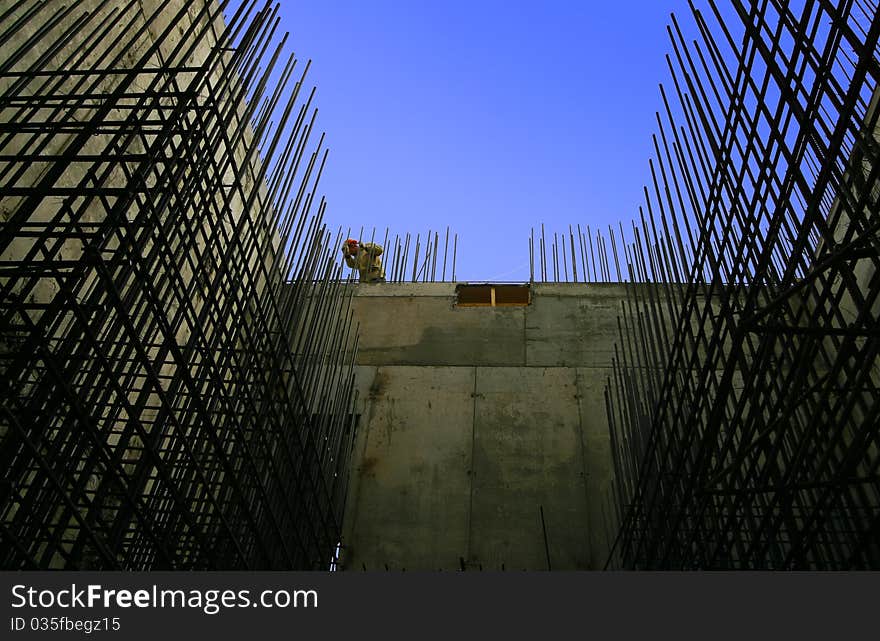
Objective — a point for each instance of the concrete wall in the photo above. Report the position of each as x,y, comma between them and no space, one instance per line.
473,421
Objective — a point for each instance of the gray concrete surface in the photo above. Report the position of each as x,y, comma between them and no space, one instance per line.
528,459
473,421
413,467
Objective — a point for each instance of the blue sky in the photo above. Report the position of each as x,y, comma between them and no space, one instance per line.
490,117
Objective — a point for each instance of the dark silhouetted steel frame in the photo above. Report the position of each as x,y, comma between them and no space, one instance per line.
746,387
177,344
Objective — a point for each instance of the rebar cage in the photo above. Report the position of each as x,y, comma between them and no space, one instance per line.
746,387
177,349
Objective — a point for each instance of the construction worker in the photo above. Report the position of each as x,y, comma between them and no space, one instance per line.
365,258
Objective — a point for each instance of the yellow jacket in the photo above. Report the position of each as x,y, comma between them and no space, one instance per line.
367,262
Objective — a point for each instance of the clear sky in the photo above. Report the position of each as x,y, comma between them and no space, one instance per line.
487,116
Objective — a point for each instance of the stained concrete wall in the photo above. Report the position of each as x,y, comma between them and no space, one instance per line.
474,421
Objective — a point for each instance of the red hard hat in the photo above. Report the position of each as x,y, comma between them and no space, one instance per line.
351,241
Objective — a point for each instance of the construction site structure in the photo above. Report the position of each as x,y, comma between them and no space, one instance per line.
190,378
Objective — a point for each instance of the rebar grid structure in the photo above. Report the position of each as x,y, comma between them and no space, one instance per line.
746,385
177,349
562,260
